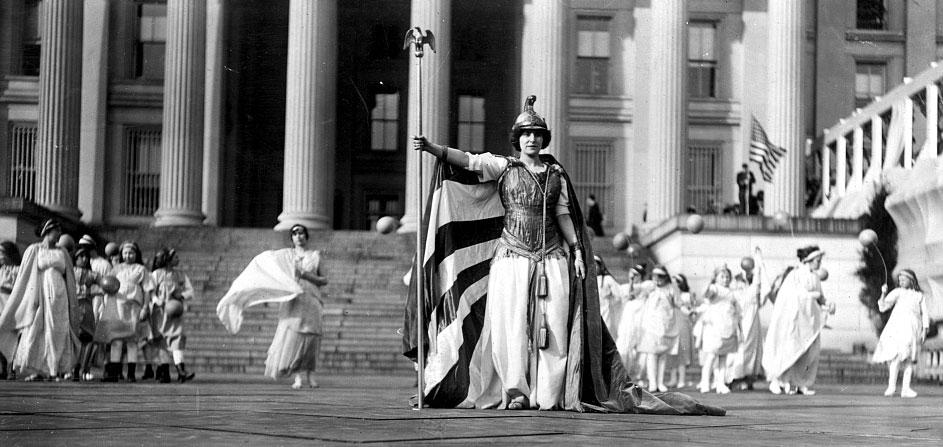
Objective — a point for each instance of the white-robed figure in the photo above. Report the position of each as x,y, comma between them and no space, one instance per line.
529,284
718,331
744,366
611,298
904,332
630,323
40,311
659,328
793,341
291,277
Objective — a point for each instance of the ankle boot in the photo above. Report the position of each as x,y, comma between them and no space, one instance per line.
148,372
131,368
110,374
163,373
182,374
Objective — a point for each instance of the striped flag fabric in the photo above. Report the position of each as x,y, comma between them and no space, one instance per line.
763,152
462,222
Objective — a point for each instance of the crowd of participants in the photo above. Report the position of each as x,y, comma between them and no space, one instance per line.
65,309
661,327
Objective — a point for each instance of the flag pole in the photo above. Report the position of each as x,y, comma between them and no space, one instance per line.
419,38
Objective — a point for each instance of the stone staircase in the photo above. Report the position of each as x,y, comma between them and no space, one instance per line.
363,304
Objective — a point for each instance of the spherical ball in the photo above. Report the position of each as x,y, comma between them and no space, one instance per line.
867,237
109,284
634,249
386,225
823,274
747,263
111,249
66,242
695,223
620,241
781,219
173,308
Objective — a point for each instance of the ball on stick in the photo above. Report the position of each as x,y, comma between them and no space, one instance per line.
111,249
173,308
781,219
386,225
66,242
620,241
634,249
109,284
695,223
867,237
823,274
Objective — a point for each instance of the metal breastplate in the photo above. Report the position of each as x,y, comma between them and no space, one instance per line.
523,198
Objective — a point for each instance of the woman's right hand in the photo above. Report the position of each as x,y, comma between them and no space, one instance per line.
421,143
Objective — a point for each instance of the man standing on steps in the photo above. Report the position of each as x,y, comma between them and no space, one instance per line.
745,181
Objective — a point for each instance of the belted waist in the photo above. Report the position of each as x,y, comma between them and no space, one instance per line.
508,245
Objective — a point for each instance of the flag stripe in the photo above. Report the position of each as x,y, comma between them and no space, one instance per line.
763,152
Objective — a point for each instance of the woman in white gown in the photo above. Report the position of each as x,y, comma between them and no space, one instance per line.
904,332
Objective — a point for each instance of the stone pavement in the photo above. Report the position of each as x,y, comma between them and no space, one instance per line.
249,410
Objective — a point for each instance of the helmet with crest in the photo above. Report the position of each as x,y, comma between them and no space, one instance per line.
529,120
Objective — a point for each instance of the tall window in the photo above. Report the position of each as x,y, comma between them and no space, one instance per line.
592,173
385,122
32,37
869,82
702,187
592,55
22,145
471,123
151,41
871,14
141,171
702,60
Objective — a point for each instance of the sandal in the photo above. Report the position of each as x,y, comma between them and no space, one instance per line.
517,403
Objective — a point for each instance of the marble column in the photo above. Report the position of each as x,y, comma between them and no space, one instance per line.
181,159
308,190
213,109
543,68
94,110
667,134
784,107
60,95
436,16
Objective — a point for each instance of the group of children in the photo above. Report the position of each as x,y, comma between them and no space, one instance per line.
125,312
660,326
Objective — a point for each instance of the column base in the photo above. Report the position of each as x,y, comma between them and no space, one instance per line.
311,221
178,218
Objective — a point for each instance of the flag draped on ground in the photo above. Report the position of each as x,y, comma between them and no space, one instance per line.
462,223
763,152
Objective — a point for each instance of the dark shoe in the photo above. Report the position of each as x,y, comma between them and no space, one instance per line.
182,374
131,368
163,373
111,372
148,372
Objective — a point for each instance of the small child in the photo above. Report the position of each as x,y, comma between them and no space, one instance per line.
173,289
85,281
117,320
905,330
136,287
630,323
9,267
611,298
659,329
719,331
678,364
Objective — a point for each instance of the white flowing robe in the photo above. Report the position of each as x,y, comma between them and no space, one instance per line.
792,345
900,340
745,363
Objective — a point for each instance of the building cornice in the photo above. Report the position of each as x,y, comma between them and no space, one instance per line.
20,90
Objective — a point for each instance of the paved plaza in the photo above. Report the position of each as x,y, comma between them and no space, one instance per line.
243,410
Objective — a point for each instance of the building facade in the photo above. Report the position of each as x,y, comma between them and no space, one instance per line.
261,114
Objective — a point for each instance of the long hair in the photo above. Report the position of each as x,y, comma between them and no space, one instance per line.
162,258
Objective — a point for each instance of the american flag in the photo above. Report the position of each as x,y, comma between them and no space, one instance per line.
461,226
763,152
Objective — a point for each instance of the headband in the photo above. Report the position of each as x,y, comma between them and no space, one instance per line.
813,255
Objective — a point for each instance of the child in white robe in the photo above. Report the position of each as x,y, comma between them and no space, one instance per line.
904,332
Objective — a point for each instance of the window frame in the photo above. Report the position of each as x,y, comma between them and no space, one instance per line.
475,127
861,17
138,70
861,101
708,66
390,136
592,73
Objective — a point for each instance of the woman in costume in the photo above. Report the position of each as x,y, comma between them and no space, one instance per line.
659,329
792,346
744,366
611,298
40,308
291,277
719,334
9,265
542,342
173,289
678,364
630,323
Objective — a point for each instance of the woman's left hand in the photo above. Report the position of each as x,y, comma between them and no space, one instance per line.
579,267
